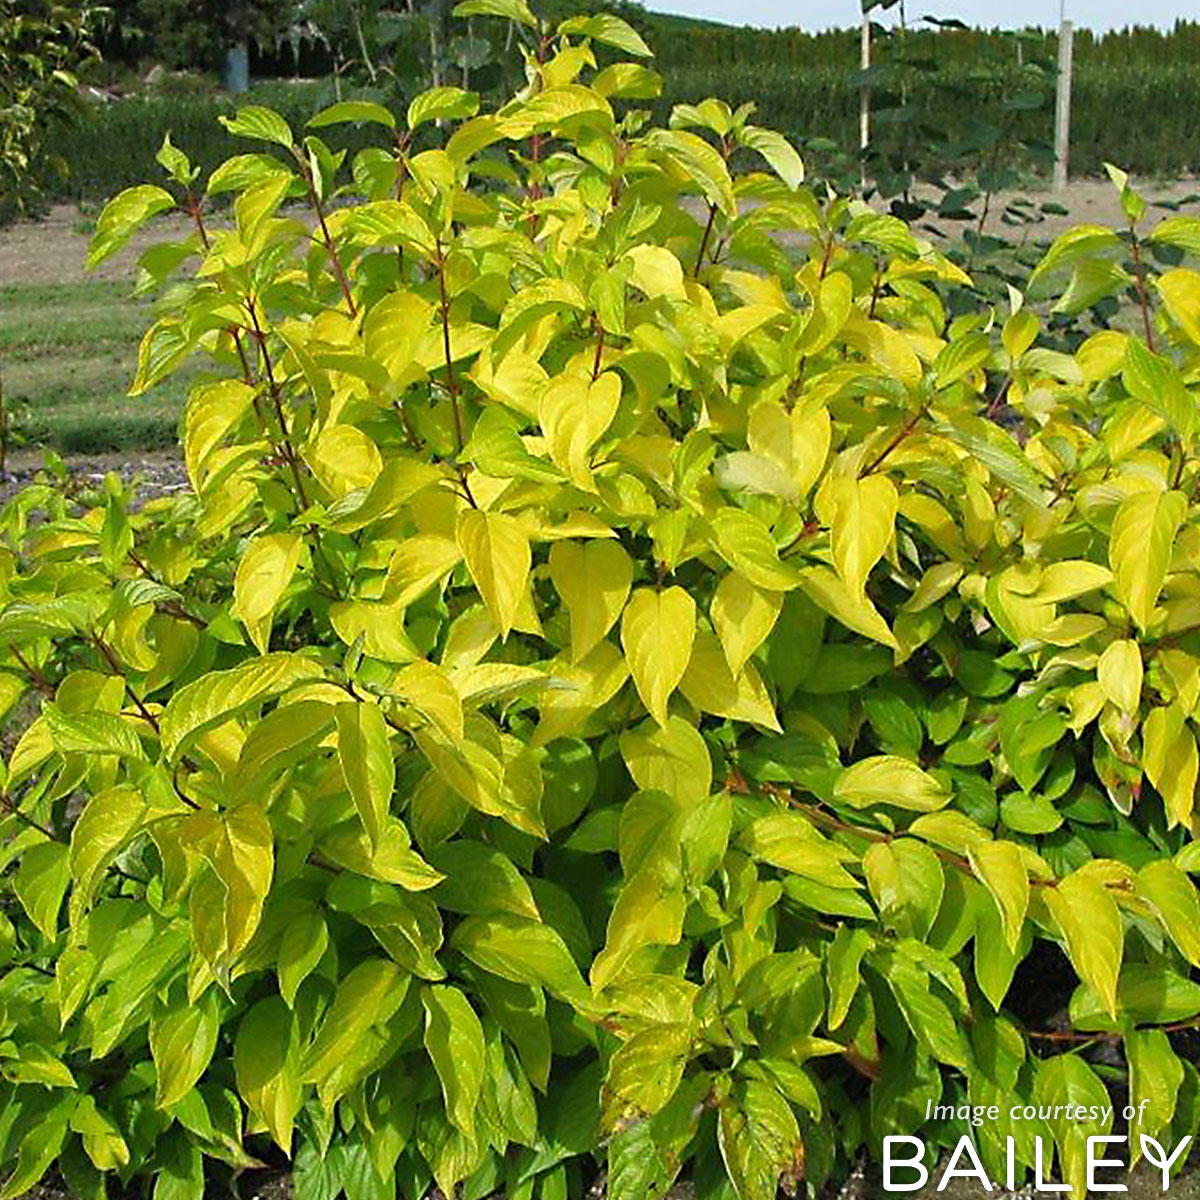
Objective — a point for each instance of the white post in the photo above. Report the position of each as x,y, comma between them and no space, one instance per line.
1062,107
864,99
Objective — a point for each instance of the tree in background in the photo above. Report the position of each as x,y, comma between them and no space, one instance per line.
43,45
194,33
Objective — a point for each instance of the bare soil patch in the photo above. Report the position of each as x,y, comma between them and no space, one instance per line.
54,250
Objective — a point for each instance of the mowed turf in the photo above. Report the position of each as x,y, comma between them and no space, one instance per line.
68,352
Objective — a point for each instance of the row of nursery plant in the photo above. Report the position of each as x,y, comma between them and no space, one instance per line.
632,683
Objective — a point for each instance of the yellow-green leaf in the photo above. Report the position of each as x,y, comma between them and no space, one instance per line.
1001,869
496,548
367,764
1180,290
219,695
1120,674
344,459
787,840
593,578
863,520
1139,550
263,574
1171,761
1091,925
1168,890
266,1065
746,544
574,413
711,686
454,1040
657,631
743,615
182,1040
888,779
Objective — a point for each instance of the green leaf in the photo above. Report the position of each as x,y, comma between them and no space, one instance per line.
181,1173
636,1170
1154,381
1183,232
997,450
262,124
512,10
906,881
759,1140
216,697
1001,869
243,171
442,104
368,996
263,573
454,1040
365,754
107,823
1091,925
700,163
843,961
266,1065
358,111
1155,1077
480,880
163,347
777,150
91,733
657,630
175,162
1145,995
886,779
40,884
1139,550
183,1037
122,217
522,951
609,29
747,546
303,945
1066,1080
648,912
925,1012
38,1149
1172,895
1078,243
788,840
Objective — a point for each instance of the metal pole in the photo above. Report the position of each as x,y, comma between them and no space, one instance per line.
1062,107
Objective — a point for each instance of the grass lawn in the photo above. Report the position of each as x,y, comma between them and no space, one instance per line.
68,352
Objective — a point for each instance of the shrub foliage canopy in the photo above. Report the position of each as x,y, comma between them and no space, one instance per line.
634,676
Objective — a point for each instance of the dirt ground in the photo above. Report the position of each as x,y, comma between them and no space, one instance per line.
55,250
1096,202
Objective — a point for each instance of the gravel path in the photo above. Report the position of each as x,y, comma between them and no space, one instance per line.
159,473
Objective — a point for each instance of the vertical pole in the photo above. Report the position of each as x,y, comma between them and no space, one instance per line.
864,100
1062,107
237,68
